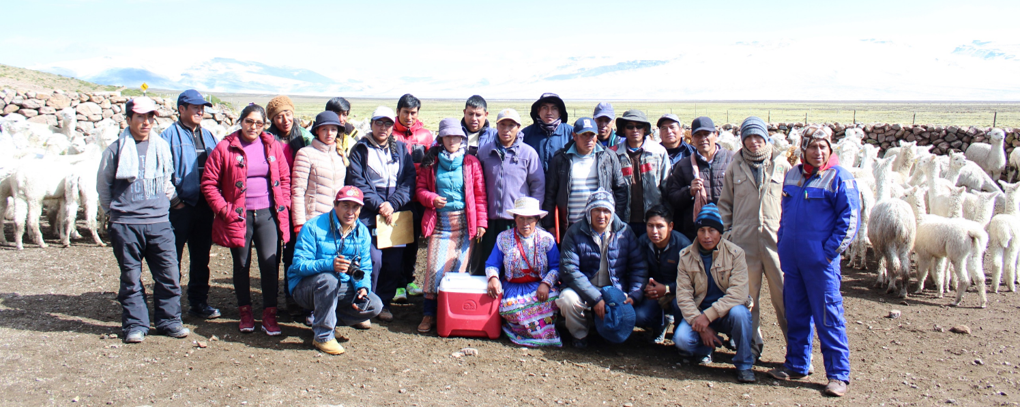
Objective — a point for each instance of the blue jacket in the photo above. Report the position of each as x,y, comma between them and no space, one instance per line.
360,175
485,136
580,258
663,269
821,215
186,178
546,147
317,245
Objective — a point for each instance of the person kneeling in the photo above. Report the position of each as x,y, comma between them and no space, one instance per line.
331,271
711,291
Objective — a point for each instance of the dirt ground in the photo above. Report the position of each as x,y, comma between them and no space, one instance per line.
57,304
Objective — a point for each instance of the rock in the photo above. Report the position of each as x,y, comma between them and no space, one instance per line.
118,99
31,104
46,119
894,314
112,336
11,108
117,117
157,99
81,118
402,391
30,94
116,108
469,351
95,117
214,338
201,345
105,104
47,110
89,109
58,101
939,329
960,329
979,362
84,126
107,113
457,355
951,137
30,113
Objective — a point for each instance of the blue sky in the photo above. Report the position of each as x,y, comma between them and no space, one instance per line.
422,41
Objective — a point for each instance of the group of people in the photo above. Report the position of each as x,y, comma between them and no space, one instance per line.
588,221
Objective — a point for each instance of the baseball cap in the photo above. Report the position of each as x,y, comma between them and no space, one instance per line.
667,116
141,105
604,109
192,97
350,193
509,114
585,125
702,123
384,111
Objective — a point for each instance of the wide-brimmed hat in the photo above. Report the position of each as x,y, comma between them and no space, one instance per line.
450,127
635,116
527,206
324,119
620,318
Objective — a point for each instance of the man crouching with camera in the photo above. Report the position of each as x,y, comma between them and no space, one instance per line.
331,273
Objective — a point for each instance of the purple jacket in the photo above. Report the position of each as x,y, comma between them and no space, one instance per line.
518,173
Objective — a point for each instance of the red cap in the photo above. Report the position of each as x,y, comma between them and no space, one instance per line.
350,193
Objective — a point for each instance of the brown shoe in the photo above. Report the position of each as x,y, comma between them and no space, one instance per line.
426,324
385,315
785,374
366,324
835,388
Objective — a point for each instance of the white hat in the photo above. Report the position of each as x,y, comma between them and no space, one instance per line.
527,206
383,111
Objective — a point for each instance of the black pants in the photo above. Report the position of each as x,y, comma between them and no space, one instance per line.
387,269
193,225
152,244
262,233
482,251
411,250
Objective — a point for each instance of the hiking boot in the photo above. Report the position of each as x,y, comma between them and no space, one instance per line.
745,376
784,374
136,336
332,347
426,324
269,325
414,290
835,388
204,311
366,324
400,296
174,331
247,323
386,315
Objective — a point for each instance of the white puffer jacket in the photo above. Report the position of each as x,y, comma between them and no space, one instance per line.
318,175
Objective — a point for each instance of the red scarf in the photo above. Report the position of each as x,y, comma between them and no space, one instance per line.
810,170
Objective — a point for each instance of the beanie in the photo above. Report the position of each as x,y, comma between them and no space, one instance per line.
709,216
754,126
816,132
277,105
599,199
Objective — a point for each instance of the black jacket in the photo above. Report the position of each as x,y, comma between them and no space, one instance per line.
678,187
557,185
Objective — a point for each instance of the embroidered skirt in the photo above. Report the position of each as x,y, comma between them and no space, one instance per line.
526,320
449,248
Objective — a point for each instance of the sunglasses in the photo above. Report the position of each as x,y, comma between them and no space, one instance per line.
634,126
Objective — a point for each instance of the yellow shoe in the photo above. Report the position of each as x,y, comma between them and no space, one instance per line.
332,347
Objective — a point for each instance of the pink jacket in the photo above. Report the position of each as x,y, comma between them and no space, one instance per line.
474,196
223,185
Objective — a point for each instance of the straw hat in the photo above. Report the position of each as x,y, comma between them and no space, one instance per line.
527,206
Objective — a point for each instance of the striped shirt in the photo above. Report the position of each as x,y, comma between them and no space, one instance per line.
584,181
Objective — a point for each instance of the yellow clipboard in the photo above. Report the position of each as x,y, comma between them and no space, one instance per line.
400,232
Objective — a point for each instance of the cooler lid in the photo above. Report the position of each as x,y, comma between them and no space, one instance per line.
464,283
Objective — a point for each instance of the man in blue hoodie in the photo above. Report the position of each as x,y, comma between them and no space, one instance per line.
551,131
190,215
331,270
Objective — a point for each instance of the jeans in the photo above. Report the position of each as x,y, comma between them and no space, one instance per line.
736,323
263,234
648,313
387,269
153,243
331,302
193,225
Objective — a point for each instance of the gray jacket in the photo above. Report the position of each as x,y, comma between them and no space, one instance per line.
654,166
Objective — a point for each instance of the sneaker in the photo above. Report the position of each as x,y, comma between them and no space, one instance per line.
704,360
175,331
745,376
204,311
136,336
413,289
784,374
400,296
269,325
426,324
386,315
835,388
332,347
247,323
366,324
580,343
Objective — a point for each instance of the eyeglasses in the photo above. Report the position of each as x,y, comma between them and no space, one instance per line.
254,123
384,123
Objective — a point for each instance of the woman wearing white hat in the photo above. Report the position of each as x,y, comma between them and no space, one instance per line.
524,267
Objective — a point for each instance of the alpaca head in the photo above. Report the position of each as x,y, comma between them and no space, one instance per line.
914,196
957,160
1012,192
997,135
956,198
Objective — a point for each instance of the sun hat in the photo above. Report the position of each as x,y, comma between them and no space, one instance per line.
450,127
527,206
620,318
635,116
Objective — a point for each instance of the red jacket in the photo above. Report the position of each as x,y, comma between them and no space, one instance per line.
417,137
223,187
474,194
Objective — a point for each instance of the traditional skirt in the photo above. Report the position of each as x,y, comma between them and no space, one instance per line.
449,246
526,320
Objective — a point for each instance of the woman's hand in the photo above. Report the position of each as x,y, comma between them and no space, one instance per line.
495,287
439,202
542,293
386,209
479,234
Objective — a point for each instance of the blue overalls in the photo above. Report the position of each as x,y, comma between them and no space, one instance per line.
821,216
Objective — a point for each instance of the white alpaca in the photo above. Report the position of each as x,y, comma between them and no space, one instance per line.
1014,165
991,157
961,241
892,230
858,250
979,206
905,159
31,183
967,173
728,141
1004,240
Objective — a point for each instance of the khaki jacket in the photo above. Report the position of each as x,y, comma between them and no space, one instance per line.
319,173
751,214
729,270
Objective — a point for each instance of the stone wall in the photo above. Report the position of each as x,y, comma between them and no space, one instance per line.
42,107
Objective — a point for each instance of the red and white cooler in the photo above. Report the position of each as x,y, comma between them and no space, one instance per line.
465,309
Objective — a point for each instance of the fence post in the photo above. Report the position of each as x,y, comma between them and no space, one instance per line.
805,118
855,116
995,117
914,120
770,116
728,116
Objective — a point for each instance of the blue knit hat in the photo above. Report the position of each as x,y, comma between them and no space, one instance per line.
709,216
600,199
754,125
